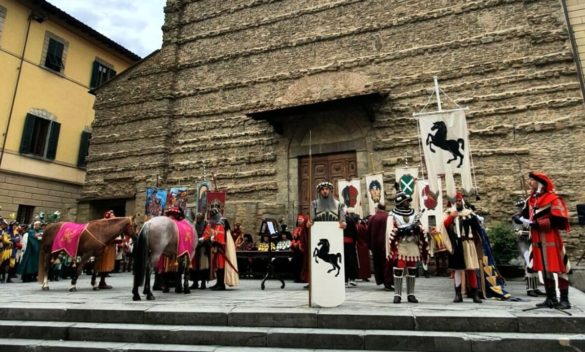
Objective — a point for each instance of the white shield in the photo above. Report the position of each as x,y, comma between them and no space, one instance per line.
327,283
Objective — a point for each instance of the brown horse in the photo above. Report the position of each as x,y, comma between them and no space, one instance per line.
92,242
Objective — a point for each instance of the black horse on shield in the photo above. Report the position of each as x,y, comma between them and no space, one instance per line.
322,251
440,140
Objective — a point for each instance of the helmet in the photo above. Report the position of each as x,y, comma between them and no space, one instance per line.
401,197
324,184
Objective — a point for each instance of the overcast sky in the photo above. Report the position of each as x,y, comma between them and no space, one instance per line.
136,25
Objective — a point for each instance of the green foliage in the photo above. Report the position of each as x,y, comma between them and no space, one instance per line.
503,242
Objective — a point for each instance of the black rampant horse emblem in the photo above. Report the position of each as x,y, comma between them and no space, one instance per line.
440,140
322,251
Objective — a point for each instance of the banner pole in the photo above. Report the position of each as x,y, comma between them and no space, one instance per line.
310,186
437,93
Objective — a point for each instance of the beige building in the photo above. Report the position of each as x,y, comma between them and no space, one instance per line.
238,87
49,62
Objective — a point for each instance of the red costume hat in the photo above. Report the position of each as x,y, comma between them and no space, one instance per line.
543,179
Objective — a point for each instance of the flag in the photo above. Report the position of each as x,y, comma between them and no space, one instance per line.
445,146
406,179
375,191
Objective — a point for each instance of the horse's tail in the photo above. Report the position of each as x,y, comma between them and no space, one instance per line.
140,254
461,142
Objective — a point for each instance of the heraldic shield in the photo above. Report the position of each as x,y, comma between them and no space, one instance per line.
327,268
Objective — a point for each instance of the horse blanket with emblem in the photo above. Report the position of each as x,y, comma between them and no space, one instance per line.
186,238
67,238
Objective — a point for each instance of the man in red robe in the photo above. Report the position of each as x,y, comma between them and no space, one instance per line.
378,240
547,215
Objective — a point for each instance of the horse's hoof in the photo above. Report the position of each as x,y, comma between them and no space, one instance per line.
46,288
150,297
187,291
136,298
73,289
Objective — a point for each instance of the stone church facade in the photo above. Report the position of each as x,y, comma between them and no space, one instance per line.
244,88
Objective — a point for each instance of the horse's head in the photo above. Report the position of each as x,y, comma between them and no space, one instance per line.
323,242
130,228
438,125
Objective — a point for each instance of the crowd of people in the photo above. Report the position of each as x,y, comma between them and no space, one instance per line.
398,243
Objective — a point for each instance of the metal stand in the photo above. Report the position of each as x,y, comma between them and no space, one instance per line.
265,229
544,275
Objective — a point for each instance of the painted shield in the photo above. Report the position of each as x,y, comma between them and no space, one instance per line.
327,266
407,184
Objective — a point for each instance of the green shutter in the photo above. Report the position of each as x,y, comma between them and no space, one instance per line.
94,75
55,55
111,74
27,134
53,140
83,149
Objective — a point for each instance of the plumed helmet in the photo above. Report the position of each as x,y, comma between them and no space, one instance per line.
401,197
325,184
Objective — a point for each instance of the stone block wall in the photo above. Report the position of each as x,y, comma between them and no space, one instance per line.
508,61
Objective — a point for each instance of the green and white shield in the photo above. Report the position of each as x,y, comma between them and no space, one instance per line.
407,184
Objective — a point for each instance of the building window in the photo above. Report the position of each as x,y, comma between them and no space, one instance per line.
25,214
2,18
40,137
54,53
100,74
83,149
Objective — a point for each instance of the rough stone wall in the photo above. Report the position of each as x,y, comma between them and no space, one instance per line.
508,61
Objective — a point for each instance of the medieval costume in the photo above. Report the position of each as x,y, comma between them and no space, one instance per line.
525,247
29,264
378,245
6,250
201,261
350,237
363,252
547,216
105,263
326,207
408,245
224,261
299,246
463,228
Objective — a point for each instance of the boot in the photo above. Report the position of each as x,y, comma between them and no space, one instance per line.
398,276
195,285
102,285
458,297
551,298
410,280
475,295
203,285
220,285
564,303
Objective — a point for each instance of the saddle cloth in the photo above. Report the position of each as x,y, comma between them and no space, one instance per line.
186,238
67,238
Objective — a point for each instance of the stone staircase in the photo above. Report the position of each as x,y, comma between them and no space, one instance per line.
137,329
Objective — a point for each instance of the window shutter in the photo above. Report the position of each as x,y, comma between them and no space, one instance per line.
55,55
27,134
94,75
112,74
53,140
83,149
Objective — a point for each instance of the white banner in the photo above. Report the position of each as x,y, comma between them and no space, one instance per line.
350,194
445,145
432,219
327,283
375,191
406,178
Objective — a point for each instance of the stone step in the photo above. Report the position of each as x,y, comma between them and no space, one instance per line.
29,345
304,338
545,321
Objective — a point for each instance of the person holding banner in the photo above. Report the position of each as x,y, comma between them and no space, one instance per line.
547,216
408,245
214,234
463,227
